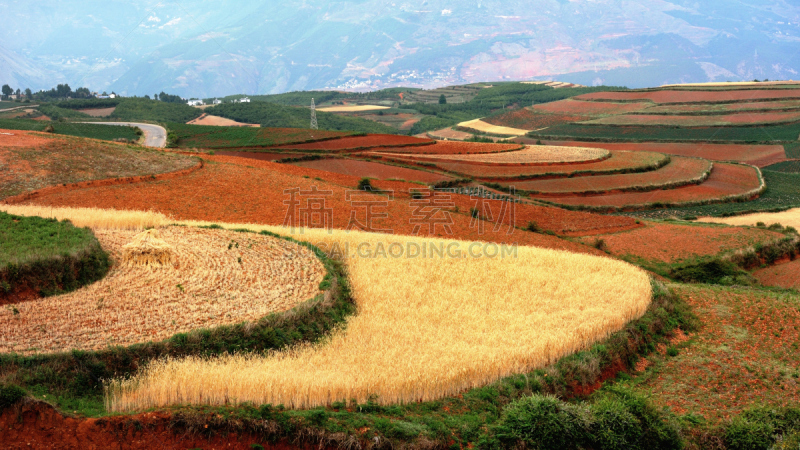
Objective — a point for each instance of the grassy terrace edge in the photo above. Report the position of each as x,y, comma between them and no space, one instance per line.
455,421
75,379
75,260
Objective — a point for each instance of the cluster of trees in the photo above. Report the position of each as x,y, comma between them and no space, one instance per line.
164,97
8,91
62,91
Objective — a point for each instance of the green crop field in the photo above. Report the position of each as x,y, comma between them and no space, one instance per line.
204,136
783,192
781,133
87,130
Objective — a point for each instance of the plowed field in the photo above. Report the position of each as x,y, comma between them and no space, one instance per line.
531,155
725,180
360,143
669,96
756,155
753,118
453,148
572,107
372,170
783,275
745,106
680,172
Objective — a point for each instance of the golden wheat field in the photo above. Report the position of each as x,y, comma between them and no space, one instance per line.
486,127
790,218
92,217
532,154
211,278
425,327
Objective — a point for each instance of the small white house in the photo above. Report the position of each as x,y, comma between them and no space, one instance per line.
195,102
244,100
112,96
217,101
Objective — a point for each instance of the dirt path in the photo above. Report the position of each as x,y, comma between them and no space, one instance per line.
154,135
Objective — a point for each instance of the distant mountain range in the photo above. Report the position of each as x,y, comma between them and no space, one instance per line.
214,48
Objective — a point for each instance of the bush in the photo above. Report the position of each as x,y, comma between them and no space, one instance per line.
601,245
10,395
533,227
544,422
365,185
712,272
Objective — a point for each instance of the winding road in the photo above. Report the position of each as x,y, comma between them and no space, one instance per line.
154,135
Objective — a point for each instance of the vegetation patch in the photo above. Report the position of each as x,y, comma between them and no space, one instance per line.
605,133
206,136
78,129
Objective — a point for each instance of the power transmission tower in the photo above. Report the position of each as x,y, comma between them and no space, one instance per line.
314,125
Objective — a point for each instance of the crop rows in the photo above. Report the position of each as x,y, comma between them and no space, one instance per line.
679,96
594,108
361,143
217,277
531,155
206,136
453,148
724,108
752,118
527,119
779,133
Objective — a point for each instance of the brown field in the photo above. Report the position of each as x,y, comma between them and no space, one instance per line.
455,308
755,155
531,155
679,172
689,96
99,112
571,106
367,169
217,121
204,286
725,107
786,275
752,118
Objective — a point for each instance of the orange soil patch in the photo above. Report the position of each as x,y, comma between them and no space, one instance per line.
215,193
34,162
263,156
527,119
667,96
372,170
671,243
449,133
571,106
756,155
99,112
679,172
751,118
745,106
743,355
217,121
530,155
362,142
725,180
17,138
618,161
783,275
453,148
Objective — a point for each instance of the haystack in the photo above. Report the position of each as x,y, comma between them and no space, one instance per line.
147,249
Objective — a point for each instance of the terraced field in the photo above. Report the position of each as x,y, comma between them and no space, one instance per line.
593,108
694,96
453,148
359,143
724,108
531,155
527,119
716,120
680,172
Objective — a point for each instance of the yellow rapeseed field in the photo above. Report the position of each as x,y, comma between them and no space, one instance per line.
214,277
790,218
486,127
456,316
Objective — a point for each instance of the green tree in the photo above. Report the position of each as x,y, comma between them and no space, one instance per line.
28,93
7,90
442,100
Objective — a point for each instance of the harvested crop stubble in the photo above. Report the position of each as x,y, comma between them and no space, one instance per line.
453,148
532,154
527,119
726,180
618,162
755,155
572,106
147,249
671,243
677,96
790,218
373,170
360,143
218,277
485,127
679,172
426,328
785,275
92,217
752,118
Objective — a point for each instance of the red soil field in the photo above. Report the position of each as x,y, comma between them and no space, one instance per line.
671,243
725,180
737,360
453,148
215,193
785,275
701,121
369,169
263,156
572,106
756,155
680,171
627,161
99,112
744,106
16,138
361,142
667,96
529,120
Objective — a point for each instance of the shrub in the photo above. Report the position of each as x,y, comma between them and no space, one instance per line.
712,272
365,185
10,395
533,227
474,212
601,245
672,351
544,422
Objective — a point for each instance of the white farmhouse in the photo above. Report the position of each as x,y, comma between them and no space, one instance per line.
195,102
217,101
244,100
